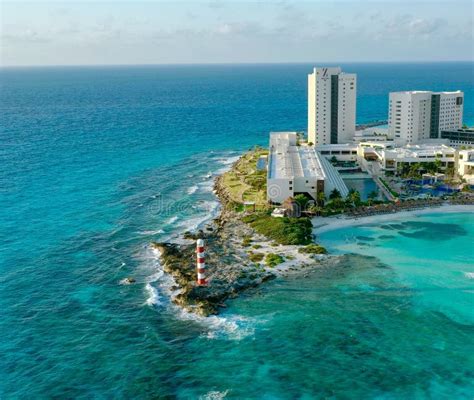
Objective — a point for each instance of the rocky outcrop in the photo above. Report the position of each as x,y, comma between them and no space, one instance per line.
228,274
229,269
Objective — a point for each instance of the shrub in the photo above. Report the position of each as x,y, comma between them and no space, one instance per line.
272,260
246,241
255,257
281,230
312,249
256,246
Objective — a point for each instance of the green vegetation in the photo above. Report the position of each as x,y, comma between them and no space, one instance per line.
335,194
272,260
312,249
245,183
246,241
302,200
255,257
281,230
392,192
256,246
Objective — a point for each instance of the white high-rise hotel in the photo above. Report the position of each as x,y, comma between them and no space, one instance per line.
419,115
331,106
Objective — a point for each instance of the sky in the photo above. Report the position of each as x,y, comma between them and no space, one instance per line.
168,32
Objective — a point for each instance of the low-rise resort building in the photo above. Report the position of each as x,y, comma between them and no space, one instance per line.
295,168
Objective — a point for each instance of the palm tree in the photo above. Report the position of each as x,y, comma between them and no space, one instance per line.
321,199
335,194
372,196
354,197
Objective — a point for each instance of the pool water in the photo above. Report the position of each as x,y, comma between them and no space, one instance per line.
363,185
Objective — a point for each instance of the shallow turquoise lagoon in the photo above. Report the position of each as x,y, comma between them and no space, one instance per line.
432,254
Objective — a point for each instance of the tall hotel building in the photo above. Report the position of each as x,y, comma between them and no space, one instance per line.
331,106
419,115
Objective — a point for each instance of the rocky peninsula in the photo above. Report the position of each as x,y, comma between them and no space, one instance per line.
242,251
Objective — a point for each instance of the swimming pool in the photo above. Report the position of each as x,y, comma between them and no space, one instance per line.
363,183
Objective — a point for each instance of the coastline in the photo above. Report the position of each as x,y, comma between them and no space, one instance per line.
237,253
325,224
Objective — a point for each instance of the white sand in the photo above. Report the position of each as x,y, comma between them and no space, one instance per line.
324,224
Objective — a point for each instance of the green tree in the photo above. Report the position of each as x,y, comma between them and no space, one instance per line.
414,171
335,194
333,160
337,203
372,196
354,197
321,199
302,200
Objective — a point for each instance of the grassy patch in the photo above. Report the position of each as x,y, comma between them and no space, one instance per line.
282,230
312,249
246,241
272,260
244,182
255,257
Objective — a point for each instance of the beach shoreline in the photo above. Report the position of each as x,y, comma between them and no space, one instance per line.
325,224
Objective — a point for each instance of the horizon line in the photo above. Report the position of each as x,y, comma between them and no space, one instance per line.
234,63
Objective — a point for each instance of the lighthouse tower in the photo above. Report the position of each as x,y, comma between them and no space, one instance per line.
200,263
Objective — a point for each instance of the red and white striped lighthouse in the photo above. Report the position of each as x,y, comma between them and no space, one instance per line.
201,265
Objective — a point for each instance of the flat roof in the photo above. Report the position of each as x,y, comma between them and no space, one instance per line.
427,91
417,150
293,162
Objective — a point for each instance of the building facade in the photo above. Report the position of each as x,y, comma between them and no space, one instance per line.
331,106
414,116
294,169
459,137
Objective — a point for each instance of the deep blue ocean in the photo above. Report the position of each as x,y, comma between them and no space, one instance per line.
96,162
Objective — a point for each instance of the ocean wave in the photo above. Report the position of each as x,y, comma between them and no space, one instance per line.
469,275
228,160
157,232
172,220
153,298
211,209
192,189
235,327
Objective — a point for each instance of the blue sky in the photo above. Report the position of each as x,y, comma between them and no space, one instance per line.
155,32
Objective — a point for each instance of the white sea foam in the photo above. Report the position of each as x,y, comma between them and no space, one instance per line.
157,232
206,186
192,189
233,327
211,209
228,160
153,298
469,275
172,220
214,395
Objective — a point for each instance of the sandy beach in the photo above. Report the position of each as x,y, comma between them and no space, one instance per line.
324,224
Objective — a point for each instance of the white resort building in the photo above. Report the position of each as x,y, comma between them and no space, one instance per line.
414,116
294,168
331,106
465,167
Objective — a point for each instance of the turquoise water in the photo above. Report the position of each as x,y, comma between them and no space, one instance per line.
97,162
432,254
